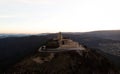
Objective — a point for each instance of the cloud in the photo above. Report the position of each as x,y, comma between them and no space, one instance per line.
14,16
66,15
8,16
35,2
2,2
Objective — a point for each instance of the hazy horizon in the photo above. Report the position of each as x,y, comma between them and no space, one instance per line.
59,31
51,16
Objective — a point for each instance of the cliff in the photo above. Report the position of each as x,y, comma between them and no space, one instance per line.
65,62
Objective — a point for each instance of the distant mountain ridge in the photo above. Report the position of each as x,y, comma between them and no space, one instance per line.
13,35
19,35
108,34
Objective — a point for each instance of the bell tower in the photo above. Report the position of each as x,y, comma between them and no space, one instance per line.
59,37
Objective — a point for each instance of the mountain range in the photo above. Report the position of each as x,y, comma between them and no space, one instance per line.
15,48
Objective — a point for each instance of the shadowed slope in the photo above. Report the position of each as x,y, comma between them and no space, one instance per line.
66,62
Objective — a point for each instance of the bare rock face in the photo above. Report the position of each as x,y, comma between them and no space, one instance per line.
65,62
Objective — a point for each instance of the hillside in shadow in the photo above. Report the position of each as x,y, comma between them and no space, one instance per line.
13,49
66,62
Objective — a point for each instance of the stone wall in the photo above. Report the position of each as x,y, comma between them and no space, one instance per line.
69,44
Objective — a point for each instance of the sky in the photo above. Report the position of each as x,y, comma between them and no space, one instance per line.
50,16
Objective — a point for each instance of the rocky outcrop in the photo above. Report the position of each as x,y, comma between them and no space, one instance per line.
66,62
